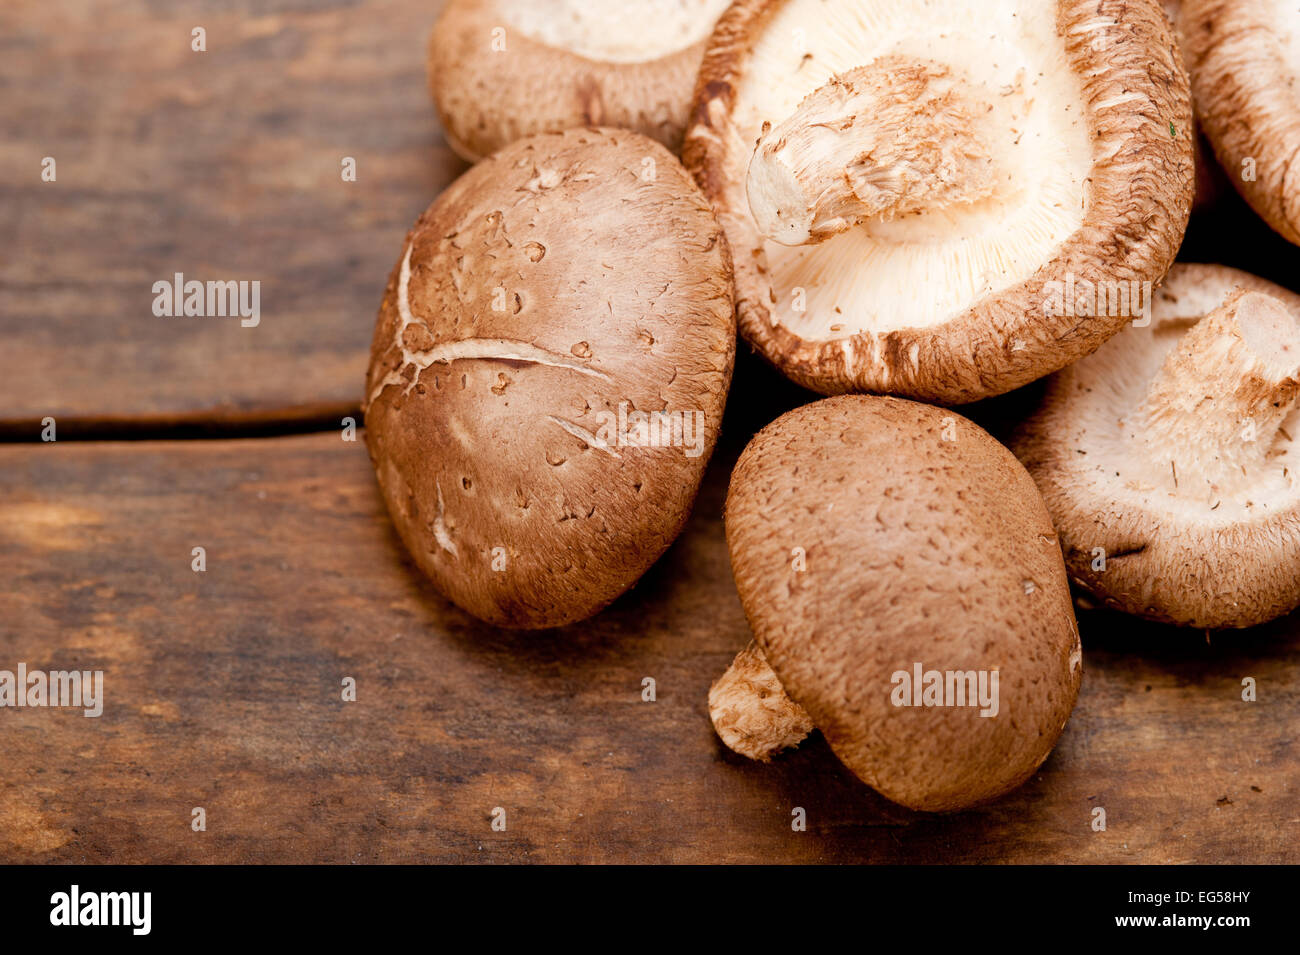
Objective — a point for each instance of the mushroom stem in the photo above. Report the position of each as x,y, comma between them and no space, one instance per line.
1218,402
888,139
751,711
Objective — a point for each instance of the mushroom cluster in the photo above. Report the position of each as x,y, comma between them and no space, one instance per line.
939,200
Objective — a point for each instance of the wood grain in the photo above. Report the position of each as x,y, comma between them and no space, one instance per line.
223,691
221,165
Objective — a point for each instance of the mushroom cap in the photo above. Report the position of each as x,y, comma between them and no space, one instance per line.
565,63
1089,120
925,542
1175,548
1244,61
550,285
1210,184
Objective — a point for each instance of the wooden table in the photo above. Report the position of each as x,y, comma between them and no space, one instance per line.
226,164
224,688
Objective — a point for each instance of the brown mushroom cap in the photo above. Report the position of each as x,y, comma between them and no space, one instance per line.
1244,60
500,70
1210,184
924,541
549,297
1082,115
1166,458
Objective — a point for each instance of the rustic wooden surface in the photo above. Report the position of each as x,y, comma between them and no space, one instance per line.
223,691
220,165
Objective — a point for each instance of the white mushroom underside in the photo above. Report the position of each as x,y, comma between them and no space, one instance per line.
1112,383
923,269
624,32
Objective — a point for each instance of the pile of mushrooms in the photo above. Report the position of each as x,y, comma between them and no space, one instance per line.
940,200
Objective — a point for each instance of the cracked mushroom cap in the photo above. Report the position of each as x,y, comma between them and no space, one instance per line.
922,541
1167,459
500,70
1244,60
548,374
902,182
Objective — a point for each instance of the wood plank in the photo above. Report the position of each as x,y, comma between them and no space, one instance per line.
221,165
223,691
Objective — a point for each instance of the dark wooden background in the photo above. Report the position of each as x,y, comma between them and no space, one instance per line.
223,688
220,165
